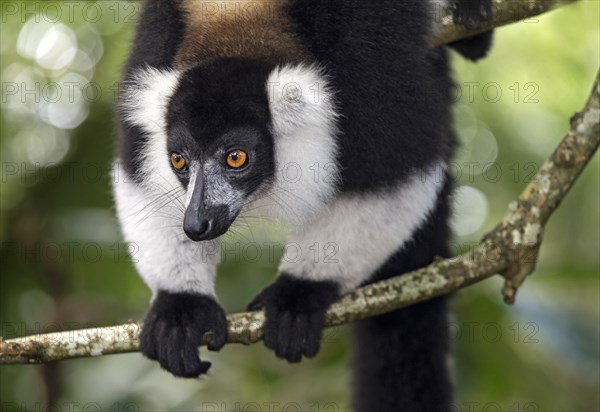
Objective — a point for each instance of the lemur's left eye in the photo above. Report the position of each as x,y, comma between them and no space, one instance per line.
237,159
178,161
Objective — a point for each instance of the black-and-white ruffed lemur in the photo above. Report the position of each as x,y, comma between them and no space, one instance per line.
219,98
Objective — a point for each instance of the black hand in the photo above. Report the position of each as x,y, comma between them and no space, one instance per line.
173,329
472,13
295,310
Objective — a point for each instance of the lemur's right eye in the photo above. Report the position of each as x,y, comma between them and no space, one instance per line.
178,162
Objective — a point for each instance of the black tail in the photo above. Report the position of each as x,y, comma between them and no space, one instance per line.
401,358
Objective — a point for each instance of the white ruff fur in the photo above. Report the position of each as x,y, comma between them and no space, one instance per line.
304,131
145,104
351,239
151,213
165,258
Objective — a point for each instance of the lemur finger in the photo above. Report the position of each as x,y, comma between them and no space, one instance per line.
148,339
297,339
147,345
174,345
181,354
164,347
219,332
270,329
193,365
314,334
284,329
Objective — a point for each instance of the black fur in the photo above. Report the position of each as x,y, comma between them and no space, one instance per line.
157,38
387,86
295,310
225,118
401,358
235,116
173,330
472,14
394,94
474,48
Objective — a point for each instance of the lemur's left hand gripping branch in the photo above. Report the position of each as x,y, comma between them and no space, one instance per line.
510,249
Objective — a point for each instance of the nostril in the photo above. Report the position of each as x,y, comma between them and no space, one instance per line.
204,227
196,228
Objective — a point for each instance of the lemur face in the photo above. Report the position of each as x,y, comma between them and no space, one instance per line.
232,133
219,144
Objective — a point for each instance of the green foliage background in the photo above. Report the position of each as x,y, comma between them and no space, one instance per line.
62,265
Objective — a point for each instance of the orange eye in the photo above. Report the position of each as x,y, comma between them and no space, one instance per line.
178,161
237,159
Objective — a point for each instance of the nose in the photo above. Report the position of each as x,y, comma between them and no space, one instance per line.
197,228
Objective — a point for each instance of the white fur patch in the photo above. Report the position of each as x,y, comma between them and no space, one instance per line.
151,222
305,133
351,239
145,104
146,98
151,213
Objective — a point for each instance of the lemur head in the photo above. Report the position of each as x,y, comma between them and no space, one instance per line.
219,142
233,133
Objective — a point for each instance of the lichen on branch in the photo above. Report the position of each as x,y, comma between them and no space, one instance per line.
504,12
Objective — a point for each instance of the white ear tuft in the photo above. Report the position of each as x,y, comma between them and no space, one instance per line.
145,98
144,103
304,127
300,96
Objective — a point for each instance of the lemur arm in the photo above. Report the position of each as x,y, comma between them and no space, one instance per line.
179,272
151,203
337,252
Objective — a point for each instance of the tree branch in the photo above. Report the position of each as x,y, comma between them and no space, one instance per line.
504,12
511,249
